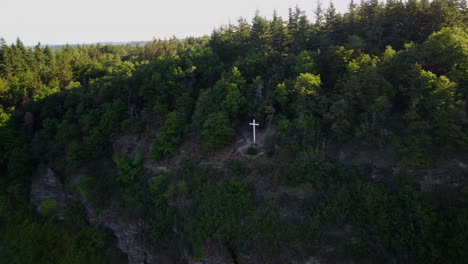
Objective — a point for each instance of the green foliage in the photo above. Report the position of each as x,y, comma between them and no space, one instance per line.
251,151
355,42
304,132
262,229
308,168
228,92
99,186
216,131
110,117
220,210
132,125
94,145
182,187
85,187
127,168
444,53
158,183
233,101
49,129
370,95
160,83
307,98
222,207
237,167
161,217
396,216
21,231
168,137
412,237
429,123
307,83
305,63
19,163
47,207
73,156
281,95
75,215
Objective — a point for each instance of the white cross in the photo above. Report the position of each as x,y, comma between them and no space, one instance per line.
253,124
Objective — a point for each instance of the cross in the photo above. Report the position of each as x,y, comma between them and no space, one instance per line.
253,124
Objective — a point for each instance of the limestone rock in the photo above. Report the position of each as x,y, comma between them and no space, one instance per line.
48,187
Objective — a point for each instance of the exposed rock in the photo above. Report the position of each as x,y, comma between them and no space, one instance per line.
48,187
129,234
35,143
446,172
462,165
162,168
312,260
130,239
28,123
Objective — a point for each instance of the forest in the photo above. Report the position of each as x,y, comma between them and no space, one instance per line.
389,79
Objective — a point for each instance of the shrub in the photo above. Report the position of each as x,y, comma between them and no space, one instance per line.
168,137
128,169
161,216
182,187
251,151
85,186
221,208
74,213
217,131
48,206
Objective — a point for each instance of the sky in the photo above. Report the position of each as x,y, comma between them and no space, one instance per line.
91,21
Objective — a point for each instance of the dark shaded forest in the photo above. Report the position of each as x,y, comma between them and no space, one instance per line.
389,76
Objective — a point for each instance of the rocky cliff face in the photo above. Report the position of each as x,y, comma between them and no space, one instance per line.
48,187
375,163
129,235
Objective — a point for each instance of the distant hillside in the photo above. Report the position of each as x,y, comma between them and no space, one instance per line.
115,43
